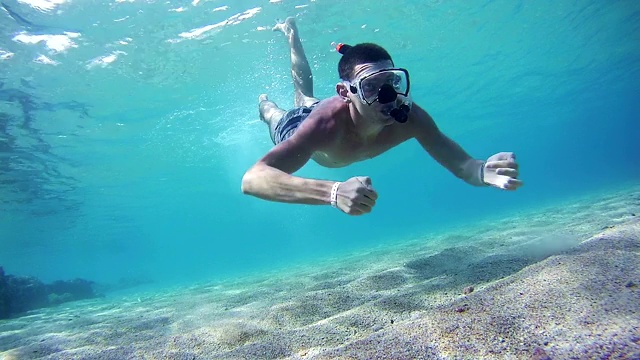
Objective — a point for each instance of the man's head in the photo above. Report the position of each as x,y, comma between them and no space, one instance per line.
372,83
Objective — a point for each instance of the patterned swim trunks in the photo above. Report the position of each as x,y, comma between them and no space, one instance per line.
290,121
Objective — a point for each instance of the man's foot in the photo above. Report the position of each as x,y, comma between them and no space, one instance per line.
288,27
262,106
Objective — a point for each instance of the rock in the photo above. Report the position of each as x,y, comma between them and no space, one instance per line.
19,294
4,305
24,293
77,289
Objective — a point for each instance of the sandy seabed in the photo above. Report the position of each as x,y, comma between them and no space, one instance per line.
561,282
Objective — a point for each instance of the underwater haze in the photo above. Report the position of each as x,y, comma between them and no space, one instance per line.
126,126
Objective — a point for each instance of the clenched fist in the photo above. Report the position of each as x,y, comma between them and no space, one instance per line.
356,196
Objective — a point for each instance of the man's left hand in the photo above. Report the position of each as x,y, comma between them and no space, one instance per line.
501,171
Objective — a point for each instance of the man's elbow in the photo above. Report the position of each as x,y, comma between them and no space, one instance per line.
248,182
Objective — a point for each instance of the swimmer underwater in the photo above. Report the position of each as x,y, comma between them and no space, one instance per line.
371,113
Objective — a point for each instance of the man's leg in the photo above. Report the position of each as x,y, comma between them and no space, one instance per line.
270,113
300,70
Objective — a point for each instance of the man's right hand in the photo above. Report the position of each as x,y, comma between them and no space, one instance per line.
356,196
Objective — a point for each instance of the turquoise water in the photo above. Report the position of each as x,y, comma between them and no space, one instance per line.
126,126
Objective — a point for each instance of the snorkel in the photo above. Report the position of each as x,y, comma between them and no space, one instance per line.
399,112
399,103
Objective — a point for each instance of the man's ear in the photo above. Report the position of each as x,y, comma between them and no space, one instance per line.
342,90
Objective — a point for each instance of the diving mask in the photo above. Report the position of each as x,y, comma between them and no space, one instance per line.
386,86
382,85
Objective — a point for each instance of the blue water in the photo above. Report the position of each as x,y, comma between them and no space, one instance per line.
124,134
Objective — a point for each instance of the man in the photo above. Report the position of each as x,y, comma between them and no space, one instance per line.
370,114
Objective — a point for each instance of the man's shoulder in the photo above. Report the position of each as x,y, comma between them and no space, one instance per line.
328,113
332,104
326,121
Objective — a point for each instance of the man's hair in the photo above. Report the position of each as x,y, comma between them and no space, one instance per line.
359,54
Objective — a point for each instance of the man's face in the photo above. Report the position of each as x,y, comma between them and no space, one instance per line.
367,91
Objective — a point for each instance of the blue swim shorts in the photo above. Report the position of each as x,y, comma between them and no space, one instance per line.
290,121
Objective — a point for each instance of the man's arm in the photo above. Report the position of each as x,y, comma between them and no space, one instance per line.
444,150
270,178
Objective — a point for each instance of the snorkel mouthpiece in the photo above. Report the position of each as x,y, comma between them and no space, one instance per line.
388,94
401,113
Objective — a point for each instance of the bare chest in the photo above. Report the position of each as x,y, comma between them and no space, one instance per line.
349,150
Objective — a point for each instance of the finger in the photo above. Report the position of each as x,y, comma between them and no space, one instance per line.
371,194
513,173
505,156
365,201
361,208
512,184
501,164
365,180
354,211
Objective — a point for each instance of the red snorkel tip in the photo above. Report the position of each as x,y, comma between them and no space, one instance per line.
342,48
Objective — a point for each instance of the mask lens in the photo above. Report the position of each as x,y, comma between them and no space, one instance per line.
371,84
